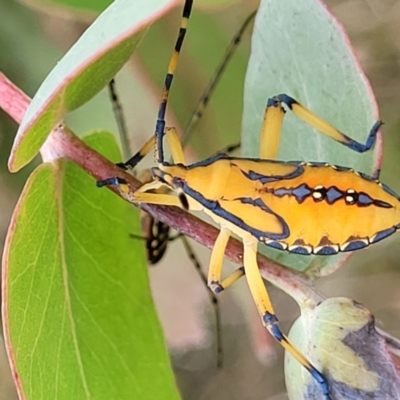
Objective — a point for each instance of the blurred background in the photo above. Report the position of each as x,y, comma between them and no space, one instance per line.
35,34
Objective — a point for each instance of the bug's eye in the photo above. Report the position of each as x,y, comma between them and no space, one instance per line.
183,200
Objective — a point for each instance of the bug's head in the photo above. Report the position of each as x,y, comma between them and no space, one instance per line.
173,176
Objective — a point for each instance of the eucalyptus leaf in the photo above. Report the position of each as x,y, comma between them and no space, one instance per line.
79,317
298,48
87,67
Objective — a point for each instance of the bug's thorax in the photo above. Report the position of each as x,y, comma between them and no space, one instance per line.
211,180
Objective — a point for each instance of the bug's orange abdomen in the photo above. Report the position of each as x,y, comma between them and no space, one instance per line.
296,206
341,207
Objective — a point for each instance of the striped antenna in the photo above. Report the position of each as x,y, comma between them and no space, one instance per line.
160,125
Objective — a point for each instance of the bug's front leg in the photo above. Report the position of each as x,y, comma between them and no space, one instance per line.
141,195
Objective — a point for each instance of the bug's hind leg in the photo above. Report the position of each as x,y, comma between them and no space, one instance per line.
273,118
270,321
326,128
272,126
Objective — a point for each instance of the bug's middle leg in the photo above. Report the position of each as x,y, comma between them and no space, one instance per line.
215,282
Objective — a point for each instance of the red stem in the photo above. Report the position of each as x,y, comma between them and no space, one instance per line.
62,142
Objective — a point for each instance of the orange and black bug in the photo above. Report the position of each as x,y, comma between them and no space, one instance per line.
300,207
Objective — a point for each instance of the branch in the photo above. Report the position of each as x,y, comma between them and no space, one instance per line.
63,143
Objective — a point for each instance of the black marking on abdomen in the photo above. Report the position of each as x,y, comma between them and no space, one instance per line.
300,192
331,195
264,179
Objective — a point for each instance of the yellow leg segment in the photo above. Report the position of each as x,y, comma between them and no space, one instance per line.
173,142
270,135
133,161
148,146
272,127
266,311
329,130
232,278
156,198
317,122
153,185
175,146
217,258
255,282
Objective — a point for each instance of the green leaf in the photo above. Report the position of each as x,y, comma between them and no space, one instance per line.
100,5
339,338
298,48
213,3
80,5
84,71
79,318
